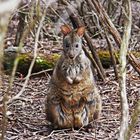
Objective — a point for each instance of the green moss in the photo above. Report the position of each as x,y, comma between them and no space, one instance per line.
47,62
136,54
105,58
42,63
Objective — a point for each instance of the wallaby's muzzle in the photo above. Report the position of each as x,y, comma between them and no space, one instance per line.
71,56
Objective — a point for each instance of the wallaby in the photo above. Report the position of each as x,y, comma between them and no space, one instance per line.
72,97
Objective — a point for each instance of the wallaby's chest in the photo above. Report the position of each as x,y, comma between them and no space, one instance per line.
72,68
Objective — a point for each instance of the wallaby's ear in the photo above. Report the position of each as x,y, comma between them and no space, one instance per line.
65,29
81,31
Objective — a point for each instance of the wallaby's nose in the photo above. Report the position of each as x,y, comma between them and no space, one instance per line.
71,56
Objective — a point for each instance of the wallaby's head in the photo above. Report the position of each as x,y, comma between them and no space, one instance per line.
72,41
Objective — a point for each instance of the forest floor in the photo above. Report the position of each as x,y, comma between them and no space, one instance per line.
27,118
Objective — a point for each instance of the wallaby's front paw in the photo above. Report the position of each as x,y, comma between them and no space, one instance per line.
77,79
69,80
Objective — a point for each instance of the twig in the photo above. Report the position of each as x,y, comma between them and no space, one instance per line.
25,33
104,19
112,54
33,61
135,62
134,117
58,15
40,72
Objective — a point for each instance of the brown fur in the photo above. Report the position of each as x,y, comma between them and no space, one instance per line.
72,102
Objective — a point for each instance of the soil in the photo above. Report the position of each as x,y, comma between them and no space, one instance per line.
27,119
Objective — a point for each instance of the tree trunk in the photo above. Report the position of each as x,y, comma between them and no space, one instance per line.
122,83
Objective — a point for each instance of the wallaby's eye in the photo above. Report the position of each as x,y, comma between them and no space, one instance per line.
77,45
67,46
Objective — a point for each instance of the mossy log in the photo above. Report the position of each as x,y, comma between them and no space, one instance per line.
42,62
47,62
105,58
